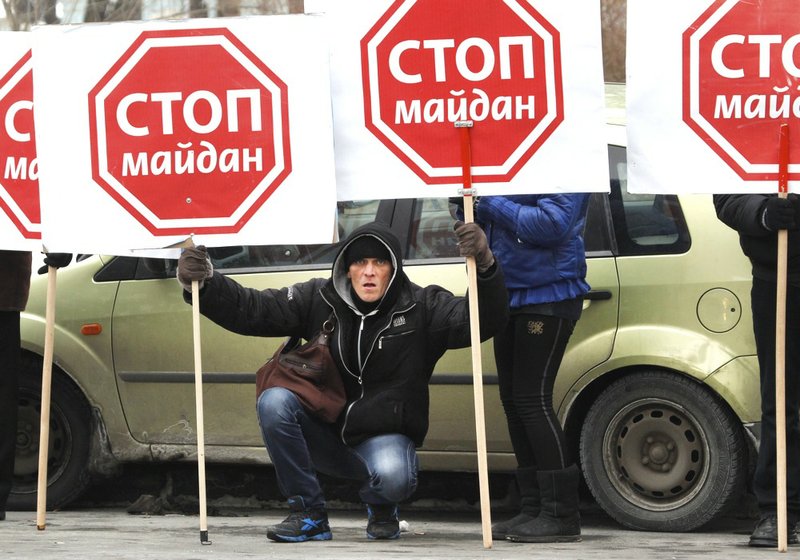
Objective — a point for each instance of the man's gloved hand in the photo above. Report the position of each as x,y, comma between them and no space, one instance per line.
472,243
56,260
780,213
194,264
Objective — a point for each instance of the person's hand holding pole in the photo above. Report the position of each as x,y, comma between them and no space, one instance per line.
194,265
472,242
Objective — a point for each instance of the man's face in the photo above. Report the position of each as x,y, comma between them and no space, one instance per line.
370,278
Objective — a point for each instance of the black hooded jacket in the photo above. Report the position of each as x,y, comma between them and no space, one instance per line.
387,356
742,213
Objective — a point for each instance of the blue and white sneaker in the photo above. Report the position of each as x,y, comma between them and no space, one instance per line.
301,525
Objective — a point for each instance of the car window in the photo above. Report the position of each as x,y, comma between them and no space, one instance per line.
431,231
350,215
644,224
597,235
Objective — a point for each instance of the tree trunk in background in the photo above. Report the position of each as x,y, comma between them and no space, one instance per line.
13,22
22,14
269,7
614,17
229,8
198,9
50,17
102,10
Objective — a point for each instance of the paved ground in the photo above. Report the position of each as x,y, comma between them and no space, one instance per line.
443,523
113,533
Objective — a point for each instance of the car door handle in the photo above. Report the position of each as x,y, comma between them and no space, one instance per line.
597,295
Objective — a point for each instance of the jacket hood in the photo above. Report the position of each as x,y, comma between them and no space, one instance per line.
341,283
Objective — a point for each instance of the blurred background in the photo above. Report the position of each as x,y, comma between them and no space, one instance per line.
22,15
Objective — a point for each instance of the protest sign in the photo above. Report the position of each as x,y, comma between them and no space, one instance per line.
528,74
210,128
20,222
709,84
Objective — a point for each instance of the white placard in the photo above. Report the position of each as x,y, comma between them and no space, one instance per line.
699,89
218,128
20,222
379,46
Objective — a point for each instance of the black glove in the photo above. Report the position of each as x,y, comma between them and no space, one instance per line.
780,213
472,243
56,260
194,264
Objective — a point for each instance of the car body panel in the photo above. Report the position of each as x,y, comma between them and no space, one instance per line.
151,321
147,330
737,382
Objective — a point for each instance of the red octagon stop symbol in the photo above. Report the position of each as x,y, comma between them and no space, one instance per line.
19,183
189,132
429,63
741,64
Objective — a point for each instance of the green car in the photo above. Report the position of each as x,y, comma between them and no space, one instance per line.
658,391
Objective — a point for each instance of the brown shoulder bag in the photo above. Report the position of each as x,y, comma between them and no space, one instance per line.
308,370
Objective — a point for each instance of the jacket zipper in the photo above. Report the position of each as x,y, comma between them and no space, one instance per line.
378,337
361,367
380,340
344,363
358,348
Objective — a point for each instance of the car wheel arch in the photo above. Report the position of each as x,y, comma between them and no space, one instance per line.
573,412
71,436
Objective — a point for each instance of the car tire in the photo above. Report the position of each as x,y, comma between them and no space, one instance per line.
661,453
69,440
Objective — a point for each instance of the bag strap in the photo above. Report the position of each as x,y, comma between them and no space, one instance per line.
293,342
329,324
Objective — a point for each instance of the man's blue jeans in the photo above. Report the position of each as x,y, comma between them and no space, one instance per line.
300,445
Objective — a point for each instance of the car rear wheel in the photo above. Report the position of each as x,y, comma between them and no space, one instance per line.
661,453
69,441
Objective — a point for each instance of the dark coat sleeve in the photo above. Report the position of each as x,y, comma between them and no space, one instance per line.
247,311
742,212
448,315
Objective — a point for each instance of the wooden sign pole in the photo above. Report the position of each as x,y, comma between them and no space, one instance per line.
475,334
198,397
780,347
47,381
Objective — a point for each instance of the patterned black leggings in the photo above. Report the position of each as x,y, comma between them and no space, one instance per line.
528,354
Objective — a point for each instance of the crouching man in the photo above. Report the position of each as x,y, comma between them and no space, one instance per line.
389,335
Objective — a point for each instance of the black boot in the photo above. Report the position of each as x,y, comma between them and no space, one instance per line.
766,531
529,503
559,519
383,521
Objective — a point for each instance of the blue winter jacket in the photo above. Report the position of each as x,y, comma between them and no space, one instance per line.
538,240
